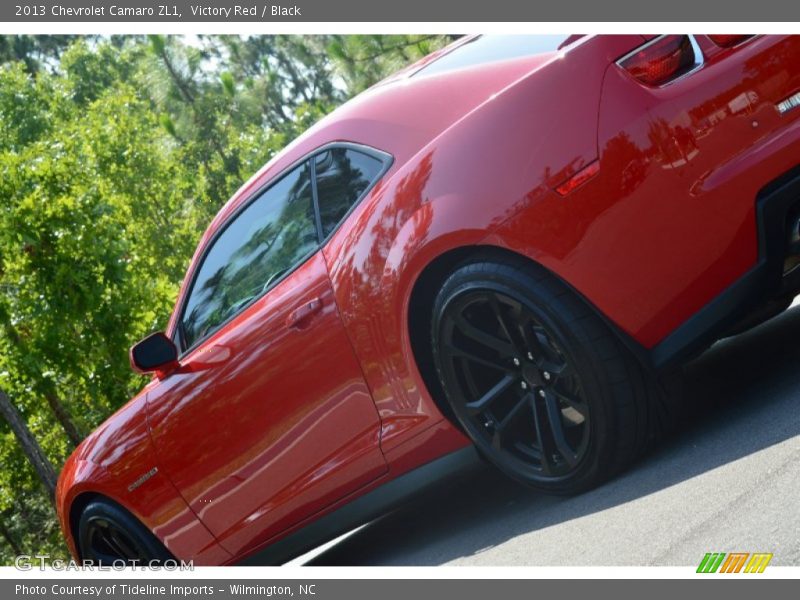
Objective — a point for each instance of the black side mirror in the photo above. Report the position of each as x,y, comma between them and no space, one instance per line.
156,352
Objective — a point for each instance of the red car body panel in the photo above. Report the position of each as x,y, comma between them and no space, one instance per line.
296,432
110,462
423,211
683,162
268,425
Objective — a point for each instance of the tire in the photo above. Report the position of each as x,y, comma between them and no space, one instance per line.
108,534
538,381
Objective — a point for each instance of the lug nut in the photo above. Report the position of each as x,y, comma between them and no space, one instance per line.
516,362
546,375
541,393
530,355
523,385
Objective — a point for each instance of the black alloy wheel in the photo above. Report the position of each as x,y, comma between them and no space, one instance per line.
517,390
108,544
110,535
537,380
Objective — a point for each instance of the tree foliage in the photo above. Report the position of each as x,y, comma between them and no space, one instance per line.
114,155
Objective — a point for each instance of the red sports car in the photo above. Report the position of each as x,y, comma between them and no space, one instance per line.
501,248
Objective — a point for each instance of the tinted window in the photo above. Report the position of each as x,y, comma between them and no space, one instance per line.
342,176
265,240
493,48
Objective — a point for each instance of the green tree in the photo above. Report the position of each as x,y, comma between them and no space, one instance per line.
35,51
362,60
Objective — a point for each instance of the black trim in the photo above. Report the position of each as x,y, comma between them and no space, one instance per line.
385,158
365,508
765,281
312,163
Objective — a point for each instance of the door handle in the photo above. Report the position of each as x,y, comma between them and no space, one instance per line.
302,315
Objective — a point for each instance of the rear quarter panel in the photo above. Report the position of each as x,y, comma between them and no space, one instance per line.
497,160
669,222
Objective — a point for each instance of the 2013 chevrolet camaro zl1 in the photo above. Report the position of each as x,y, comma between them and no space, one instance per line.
501,248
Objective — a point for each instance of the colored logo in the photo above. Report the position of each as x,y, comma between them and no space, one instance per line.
735,562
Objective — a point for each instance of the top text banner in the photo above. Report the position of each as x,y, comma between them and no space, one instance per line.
255,11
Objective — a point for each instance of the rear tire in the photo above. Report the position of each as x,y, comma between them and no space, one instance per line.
538,381
110,535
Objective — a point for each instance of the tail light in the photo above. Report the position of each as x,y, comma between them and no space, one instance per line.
726,41
662,60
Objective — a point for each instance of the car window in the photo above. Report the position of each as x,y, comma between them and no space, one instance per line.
264,241
342,176
494,48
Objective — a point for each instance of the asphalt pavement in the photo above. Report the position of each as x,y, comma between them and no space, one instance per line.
727,481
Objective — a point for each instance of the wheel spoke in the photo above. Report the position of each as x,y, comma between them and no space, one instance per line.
533,342
538,423
112,542
557,429
486,339
497,440
556,370
497,309
101,547
108,544
121,542
475,358
481,404
469,380
516,411
529,451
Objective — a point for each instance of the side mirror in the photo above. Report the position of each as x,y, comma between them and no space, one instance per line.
156,352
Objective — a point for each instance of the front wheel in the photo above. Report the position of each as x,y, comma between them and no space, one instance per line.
537,380
109,535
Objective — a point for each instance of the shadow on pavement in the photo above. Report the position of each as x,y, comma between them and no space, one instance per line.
744,395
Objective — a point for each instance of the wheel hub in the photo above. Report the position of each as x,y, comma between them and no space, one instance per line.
533,375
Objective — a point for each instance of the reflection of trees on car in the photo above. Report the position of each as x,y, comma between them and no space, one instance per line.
272,245
338,180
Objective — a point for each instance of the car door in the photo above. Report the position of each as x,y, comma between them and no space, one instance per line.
268,418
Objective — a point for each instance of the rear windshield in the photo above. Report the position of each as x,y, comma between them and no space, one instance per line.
494,48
